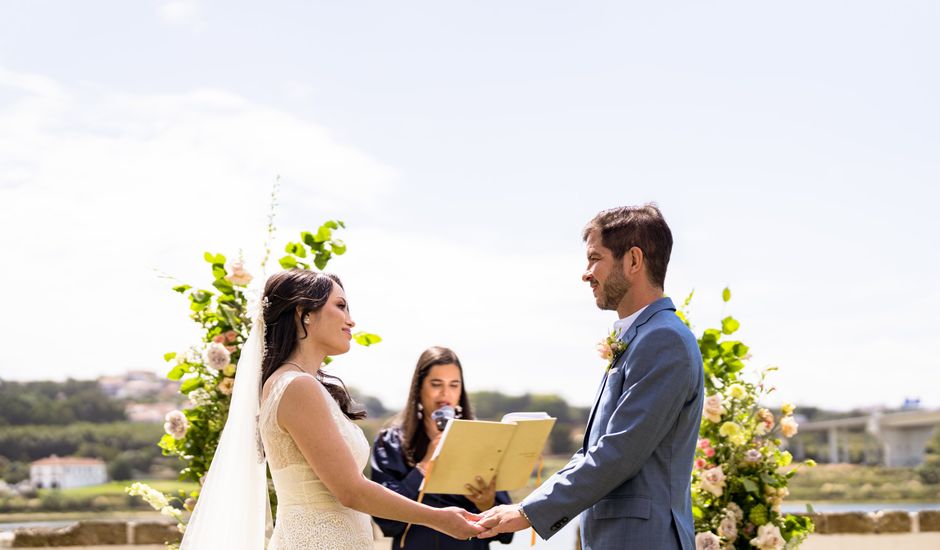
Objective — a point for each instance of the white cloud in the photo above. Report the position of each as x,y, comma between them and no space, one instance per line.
96,189
187,13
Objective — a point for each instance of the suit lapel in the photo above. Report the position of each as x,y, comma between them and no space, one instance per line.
626,338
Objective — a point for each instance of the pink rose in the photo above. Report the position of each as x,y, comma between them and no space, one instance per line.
704,443
710,452
218,339
230,336
700,463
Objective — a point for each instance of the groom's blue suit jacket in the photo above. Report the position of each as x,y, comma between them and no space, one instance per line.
630,482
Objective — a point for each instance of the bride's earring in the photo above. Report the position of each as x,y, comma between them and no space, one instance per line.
420,411
459,410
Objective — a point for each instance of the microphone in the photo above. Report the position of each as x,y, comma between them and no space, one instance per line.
442,416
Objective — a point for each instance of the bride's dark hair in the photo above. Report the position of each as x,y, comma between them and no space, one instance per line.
284,294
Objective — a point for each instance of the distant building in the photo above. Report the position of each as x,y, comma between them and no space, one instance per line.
154,413
65,472
138,384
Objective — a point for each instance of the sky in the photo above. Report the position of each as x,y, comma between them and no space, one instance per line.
791,147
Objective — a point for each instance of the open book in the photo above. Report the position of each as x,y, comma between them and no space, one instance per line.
470,448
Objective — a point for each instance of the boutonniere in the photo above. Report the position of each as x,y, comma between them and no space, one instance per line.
611,348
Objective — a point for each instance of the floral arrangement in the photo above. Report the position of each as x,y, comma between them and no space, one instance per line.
207,371
741,473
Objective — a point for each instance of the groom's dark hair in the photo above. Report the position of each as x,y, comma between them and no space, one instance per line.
624,227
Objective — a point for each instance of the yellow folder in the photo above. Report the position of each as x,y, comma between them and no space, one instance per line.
471,448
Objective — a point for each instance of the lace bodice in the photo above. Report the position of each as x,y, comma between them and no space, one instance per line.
309,516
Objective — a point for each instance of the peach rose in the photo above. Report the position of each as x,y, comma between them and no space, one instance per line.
788,426
713,409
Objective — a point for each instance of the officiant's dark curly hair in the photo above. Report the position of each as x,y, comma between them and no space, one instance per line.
284,294
641,226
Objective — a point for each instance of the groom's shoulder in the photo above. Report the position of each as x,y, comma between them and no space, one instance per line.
666,325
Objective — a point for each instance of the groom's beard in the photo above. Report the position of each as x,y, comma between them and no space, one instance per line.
614,289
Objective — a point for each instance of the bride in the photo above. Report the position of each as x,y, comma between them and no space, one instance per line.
302,428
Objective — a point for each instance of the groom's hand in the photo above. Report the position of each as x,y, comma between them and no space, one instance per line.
502,519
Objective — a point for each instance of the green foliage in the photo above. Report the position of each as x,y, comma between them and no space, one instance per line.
107,441
929,471
58,403
741,474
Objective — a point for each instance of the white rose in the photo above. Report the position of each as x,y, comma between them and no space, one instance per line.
216,356
728,528
176,424
768,538
713,481
707,541
752,456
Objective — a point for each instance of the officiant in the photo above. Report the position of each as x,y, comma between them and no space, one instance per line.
402,452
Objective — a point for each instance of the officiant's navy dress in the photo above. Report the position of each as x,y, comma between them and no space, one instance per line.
391,470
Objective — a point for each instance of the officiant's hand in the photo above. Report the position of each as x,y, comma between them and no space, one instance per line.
458,523
506,518
483,496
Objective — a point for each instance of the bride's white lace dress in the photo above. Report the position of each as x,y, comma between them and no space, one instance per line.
309,517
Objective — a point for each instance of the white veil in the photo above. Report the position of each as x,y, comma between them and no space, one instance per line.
233,511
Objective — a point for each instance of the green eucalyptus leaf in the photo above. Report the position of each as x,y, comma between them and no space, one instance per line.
338,247
321,260
223,286
169,356
177,372
726,294
749,485
366,339
181,288
729,325
288,262
190,384
323,234
201,296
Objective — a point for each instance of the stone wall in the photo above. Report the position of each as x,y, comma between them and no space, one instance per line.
97,533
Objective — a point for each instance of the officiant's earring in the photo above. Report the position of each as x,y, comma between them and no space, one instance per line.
420,409
459,410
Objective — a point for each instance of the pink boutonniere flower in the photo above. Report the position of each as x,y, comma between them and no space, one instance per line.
610,349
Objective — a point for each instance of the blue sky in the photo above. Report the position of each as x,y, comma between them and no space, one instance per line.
792,148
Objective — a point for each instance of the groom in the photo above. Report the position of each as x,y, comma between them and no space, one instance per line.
630,482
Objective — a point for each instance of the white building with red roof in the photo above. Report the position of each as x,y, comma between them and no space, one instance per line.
69,471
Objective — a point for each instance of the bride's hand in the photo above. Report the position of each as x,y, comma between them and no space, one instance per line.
458,523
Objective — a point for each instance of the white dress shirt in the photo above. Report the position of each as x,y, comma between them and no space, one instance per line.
622,325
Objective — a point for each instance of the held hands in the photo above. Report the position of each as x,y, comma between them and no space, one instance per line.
502,519
458,523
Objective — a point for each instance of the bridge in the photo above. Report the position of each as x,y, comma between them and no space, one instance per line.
902,436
